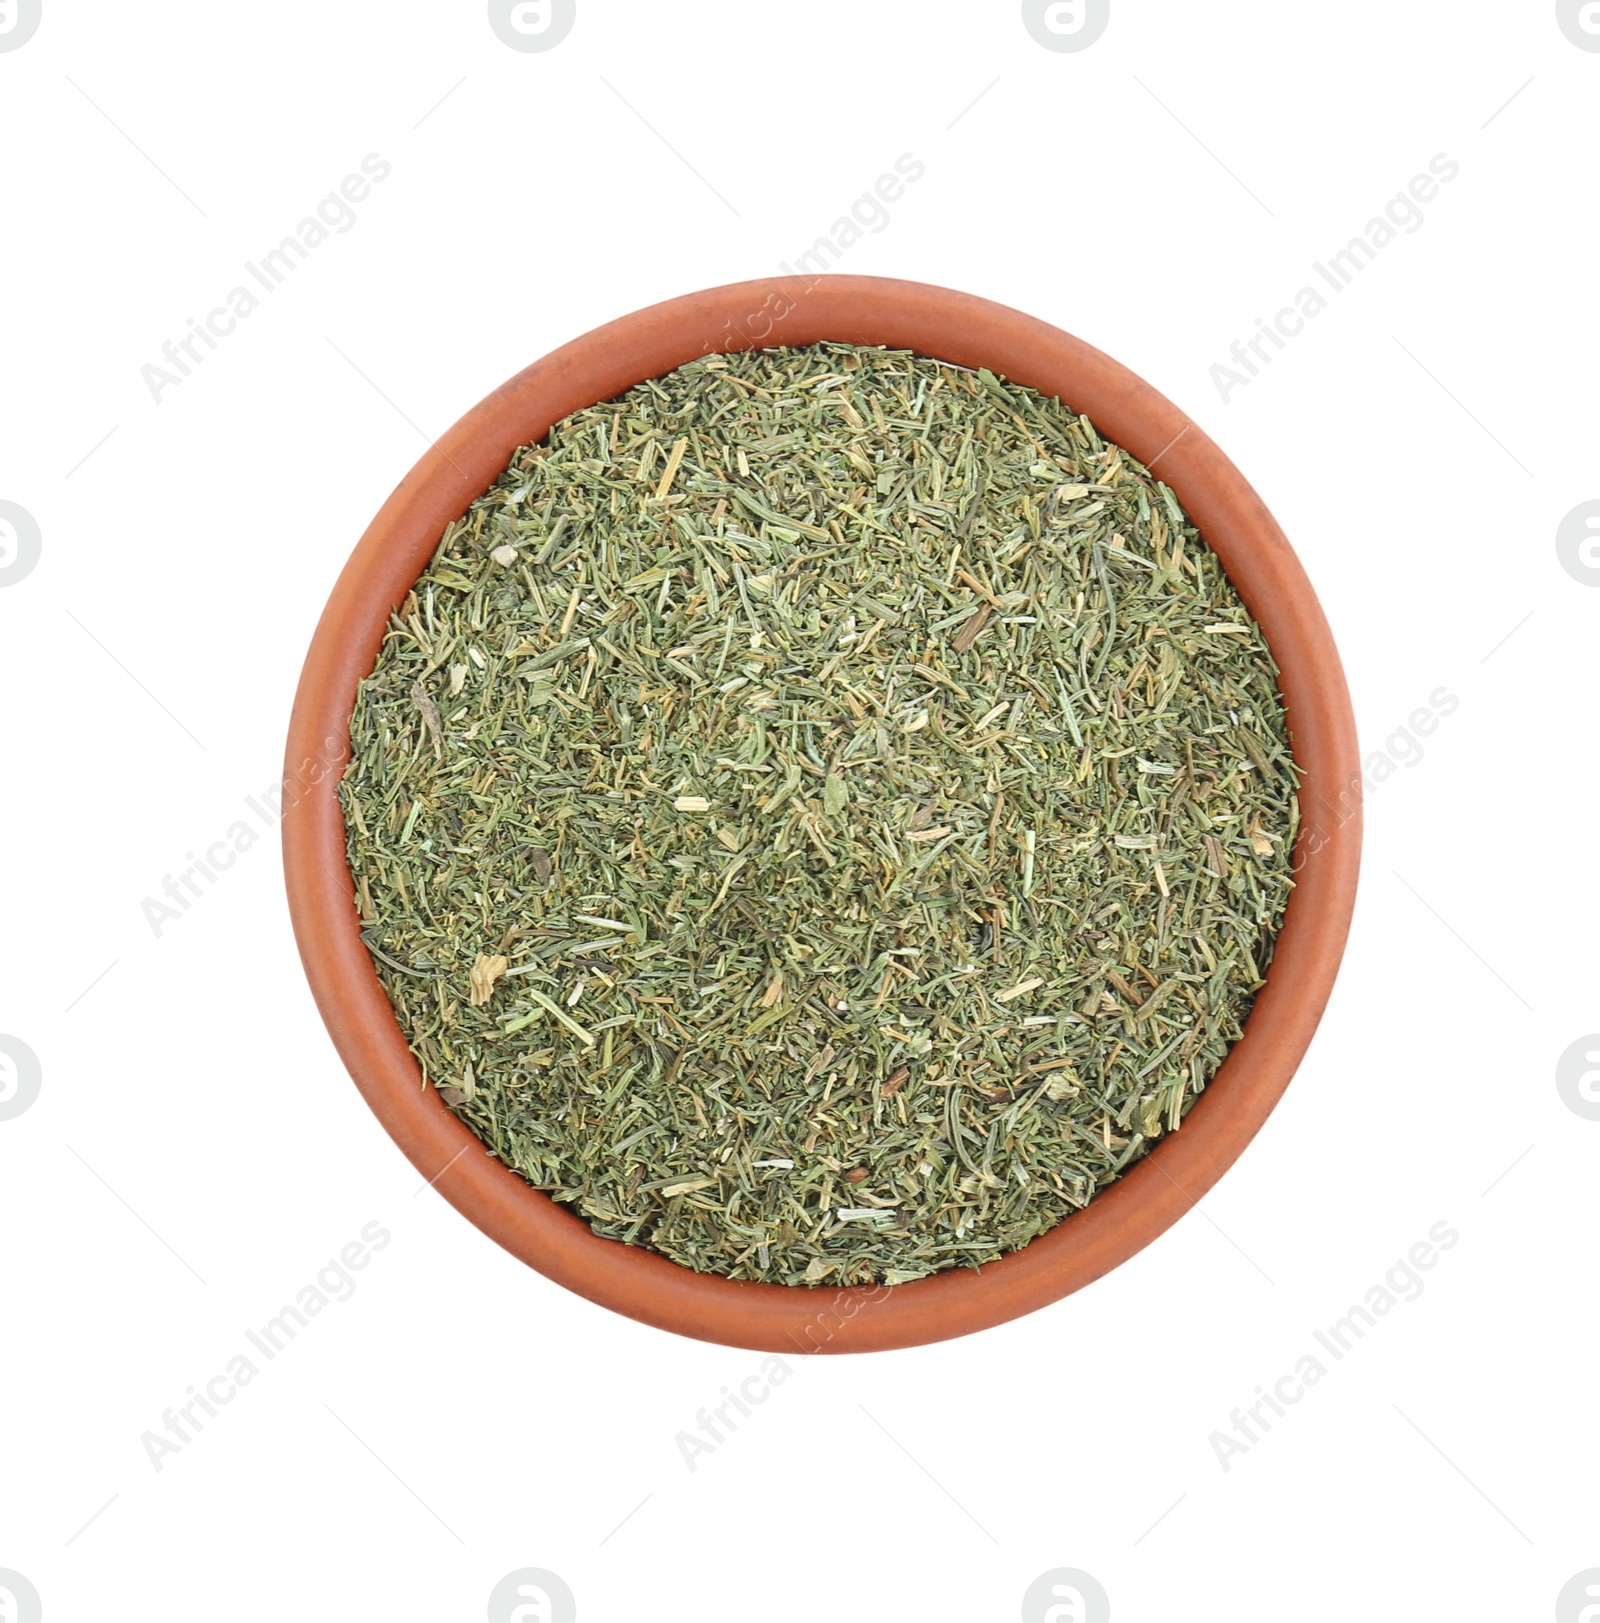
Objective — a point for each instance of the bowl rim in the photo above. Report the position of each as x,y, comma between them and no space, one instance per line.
937,323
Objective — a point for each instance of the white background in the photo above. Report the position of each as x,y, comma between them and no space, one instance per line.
197,1152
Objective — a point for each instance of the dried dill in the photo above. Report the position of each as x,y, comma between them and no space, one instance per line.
822,815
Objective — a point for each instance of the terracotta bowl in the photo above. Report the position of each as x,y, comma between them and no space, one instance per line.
1153,1194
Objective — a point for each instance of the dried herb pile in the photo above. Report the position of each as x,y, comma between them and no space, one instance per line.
822,815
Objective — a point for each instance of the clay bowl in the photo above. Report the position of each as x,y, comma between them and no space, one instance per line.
947,326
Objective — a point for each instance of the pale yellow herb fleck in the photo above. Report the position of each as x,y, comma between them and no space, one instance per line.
485,972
